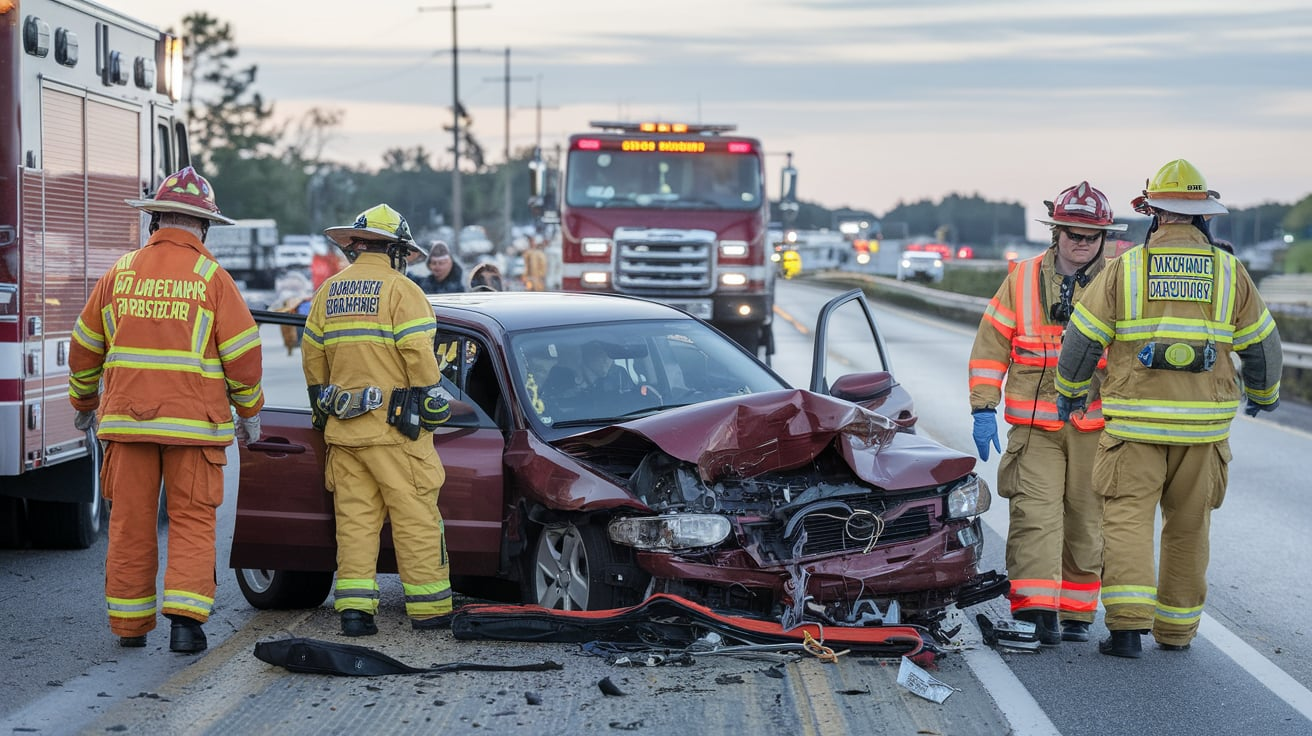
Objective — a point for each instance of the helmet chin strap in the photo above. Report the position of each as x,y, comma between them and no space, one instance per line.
397,252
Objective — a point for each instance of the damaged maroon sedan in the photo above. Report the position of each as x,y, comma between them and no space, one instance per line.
604,448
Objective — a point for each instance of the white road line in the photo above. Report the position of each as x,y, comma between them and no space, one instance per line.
1023,713
1262,669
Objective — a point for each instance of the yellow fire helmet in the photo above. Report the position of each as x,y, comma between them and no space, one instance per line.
378,223
1179,187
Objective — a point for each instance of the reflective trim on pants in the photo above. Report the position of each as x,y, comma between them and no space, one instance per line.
192,476
1054,539
400,483
1188,481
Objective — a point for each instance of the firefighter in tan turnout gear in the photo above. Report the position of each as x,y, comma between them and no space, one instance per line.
1054,547
368,356
1170,314
169,336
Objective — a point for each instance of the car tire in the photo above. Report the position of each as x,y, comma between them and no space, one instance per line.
284,589
574,567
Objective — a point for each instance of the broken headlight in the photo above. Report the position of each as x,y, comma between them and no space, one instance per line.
669,532
971,497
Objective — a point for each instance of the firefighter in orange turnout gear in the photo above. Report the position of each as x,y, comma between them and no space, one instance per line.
1054,543
168,335
372,374
1172,315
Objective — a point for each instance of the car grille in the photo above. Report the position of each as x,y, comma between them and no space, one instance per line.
830,532
661,267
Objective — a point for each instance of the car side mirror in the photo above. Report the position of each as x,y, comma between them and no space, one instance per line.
860,387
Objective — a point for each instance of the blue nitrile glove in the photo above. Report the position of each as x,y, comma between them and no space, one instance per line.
1066,405
1253,407
986,432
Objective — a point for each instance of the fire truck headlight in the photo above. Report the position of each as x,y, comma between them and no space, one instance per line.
733,248
733,279
863,259
744,310
774,257
595,278
595,246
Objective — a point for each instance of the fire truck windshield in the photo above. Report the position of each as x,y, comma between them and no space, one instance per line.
710,180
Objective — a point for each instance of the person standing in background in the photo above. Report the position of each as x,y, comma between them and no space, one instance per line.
535,265
445,276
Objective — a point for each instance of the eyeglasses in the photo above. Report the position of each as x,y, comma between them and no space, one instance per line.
1078,238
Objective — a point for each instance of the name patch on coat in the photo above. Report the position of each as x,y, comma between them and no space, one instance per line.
353,296
1180,278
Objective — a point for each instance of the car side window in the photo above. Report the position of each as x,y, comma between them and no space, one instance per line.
284,378
470,379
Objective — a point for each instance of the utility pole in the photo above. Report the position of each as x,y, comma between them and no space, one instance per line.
456,108
506,176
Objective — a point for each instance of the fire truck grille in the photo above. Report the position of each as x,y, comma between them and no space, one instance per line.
648,268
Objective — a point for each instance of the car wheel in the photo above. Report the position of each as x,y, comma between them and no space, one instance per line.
283,589
574,567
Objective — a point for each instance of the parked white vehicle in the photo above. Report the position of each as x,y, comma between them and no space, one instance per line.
292,256
918,265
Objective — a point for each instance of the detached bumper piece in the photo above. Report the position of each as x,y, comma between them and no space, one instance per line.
670,621
985,587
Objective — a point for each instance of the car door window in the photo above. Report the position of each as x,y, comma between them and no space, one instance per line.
283,381
470,379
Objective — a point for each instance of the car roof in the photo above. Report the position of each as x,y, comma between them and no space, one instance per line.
529,310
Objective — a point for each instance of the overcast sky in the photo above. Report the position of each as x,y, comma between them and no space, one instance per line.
879,101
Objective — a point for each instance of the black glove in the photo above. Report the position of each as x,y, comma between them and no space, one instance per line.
318,414
1253,407
1066,406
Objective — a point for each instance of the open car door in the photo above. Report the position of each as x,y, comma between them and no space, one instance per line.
284,546
850,362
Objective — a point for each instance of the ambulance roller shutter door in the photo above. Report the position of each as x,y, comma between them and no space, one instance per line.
114,164
63,157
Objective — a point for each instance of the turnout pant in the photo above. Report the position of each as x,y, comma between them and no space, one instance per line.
400,482
1054,541
1189,481
193,489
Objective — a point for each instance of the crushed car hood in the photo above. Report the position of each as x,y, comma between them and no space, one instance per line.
745,436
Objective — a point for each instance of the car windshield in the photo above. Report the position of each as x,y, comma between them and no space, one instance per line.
583,376
716,181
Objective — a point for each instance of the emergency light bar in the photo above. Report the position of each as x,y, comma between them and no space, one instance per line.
669,128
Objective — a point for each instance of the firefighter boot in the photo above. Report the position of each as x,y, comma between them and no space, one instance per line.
1045,624
1123,644
186,635
1075,630
132,642
358,623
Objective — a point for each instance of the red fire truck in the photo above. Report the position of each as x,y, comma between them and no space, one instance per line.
88,98
674,212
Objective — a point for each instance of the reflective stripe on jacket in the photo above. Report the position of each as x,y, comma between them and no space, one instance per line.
1017,339
1177,290
369,326
171,337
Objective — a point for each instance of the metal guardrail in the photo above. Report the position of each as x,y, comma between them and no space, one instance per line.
1295,356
